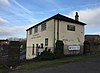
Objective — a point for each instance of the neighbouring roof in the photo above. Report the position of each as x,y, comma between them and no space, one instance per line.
1,40
59,17
92,35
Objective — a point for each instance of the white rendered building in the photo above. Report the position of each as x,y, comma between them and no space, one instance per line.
58,27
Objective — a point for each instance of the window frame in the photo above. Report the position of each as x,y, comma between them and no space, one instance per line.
41,45
37,45
33,49
46,41
71,27
36,29
30,31
43,26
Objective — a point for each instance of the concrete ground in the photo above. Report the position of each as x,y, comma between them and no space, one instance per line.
77,67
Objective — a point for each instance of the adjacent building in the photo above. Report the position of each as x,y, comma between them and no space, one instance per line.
92,38
12,50
58,27
92,44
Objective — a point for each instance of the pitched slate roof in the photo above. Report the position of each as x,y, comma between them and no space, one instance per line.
59,17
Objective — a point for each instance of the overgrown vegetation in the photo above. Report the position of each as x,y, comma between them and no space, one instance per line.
0,68
46,55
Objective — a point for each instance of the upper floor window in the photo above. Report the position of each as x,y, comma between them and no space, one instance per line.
71,27
35,29
43,26
30,31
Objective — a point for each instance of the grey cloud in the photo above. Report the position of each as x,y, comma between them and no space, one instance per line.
12,31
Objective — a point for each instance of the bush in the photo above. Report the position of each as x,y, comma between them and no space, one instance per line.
46,55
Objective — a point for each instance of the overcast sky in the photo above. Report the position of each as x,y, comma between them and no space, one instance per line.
18,15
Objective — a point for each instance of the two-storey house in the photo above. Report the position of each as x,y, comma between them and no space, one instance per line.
58,27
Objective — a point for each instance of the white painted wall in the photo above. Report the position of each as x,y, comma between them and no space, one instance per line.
71,37
38,38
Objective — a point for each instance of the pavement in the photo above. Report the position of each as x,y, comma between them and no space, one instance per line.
76,67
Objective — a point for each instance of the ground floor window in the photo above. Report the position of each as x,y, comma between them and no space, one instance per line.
36,45
33,50
46,41
41,45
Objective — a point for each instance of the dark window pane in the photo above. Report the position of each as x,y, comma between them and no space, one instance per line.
36,29
41,45
71,27
30,31
43,26
36,45
46,42
33,50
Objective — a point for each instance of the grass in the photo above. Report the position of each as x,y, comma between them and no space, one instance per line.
43,64
1,68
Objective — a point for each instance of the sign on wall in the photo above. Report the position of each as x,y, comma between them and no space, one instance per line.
36,36
73,47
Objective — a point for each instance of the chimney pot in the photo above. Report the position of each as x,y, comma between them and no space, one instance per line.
77,16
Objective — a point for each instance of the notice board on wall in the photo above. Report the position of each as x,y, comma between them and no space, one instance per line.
73,47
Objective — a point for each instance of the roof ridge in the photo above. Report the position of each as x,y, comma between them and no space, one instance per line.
59,17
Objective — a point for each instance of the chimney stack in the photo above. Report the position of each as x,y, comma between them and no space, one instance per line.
77,16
